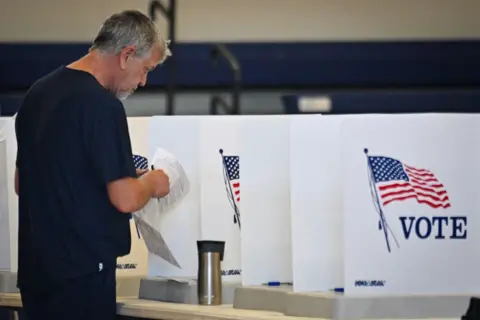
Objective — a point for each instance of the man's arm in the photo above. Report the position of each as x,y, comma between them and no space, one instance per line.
108,145
120,190
130,194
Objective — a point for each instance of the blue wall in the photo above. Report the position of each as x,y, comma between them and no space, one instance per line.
280,65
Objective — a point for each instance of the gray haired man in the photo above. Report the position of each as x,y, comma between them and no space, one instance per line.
75,177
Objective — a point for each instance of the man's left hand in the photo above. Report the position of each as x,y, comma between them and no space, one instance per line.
140,172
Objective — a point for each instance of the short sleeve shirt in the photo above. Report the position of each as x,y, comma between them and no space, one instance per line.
73,139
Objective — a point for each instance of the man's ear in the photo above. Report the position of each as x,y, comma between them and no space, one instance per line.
127,53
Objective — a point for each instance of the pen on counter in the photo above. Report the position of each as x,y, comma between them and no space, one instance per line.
277,283
338,290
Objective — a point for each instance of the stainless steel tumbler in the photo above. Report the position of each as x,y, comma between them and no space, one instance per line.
209,281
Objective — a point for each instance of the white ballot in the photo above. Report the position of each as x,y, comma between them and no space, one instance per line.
151,215
179,183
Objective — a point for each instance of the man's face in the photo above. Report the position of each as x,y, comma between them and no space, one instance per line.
134,70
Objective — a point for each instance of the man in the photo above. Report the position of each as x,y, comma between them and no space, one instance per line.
75,177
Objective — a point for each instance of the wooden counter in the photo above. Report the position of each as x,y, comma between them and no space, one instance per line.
146,309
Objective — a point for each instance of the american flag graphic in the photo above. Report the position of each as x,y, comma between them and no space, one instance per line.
397,181
233,173
391,180
231,177
140,162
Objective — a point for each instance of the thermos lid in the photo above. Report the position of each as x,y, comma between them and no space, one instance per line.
205,246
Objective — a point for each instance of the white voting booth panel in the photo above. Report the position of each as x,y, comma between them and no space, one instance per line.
209,211
8,197
220,188
316,203
265,206
135,263
398,219
411,204
180,228
238,168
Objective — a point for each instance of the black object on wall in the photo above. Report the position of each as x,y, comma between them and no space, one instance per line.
169,14
217,101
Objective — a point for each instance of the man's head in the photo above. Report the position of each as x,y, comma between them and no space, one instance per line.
129,46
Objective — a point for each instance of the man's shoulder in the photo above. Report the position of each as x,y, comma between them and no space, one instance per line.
72,84
99,104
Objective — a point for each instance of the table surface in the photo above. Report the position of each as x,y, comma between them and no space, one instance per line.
134,307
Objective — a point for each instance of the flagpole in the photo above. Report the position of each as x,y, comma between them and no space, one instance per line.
377,200
235,208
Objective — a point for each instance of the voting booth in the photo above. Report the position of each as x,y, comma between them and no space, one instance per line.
8,197
207,147
384,211
265,243
366,215
8,206
239,193
316,203
420,173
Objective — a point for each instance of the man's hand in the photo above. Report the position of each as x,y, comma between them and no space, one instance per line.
158,183
141,172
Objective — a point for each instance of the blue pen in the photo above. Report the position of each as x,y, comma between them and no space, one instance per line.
277,283
338,290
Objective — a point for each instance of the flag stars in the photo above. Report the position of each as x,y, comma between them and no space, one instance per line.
233,167
140,162
387,169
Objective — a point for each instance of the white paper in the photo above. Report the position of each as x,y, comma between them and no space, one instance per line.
179,182
149,218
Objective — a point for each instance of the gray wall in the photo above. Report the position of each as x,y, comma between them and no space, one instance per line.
148,104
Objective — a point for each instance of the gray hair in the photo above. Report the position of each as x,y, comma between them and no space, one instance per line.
128,28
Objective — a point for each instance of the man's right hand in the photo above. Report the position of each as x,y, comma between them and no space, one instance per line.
158,183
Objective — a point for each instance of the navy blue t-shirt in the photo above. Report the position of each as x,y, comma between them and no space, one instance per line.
73,139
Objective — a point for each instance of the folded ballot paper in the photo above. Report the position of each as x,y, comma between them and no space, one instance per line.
148,218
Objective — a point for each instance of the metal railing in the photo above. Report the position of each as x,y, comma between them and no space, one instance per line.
217,102
169,13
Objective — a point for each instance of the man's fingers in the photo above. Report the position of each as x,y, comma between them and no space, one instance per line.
141,172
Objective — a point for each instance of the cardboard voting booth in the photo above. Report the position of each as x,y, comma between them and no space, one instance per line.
316,203
181,228
221,154
220,174
207,148
410,204
265,235
385,204
8,197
